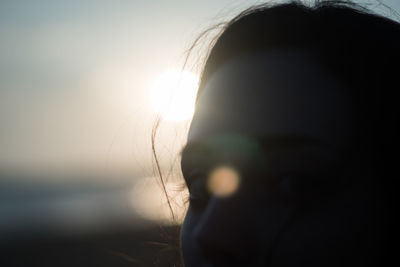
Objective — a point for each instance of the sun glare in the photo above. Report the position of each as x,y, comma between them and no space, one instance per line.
173,95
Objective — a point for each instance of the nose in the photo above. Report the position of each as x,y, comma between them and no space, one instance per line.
237,230
227,231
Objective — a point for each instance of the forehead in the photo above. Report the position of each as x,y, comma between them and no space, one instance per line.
283,92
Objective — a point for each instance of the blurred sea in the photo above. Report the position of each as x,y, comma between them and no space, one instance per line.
32,207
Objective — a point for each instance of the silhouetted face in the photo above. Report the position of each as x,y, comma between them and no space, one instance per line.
269,166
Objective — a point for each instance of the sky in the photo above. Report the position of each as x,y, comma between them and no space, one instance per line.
75,78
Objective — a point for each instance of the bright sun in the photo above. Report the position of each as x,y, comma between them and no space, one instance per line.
173,95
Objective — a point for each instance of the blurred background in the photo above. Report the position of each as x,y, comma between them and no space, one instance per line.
82,84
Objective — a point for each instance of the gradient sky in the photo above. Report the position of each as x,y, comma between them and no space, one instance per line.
75,76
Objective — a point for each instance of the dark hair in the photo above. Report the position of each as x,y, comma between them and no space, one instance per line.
350,40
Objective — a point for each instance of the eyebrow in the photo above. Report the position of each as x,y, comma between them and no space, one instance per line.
272,142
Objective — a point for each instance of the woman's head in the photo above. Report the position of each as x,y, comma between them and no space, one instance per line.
293,101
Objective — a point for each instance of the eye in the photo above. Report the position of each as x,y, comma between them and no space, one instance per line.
302,184
286,184
295,183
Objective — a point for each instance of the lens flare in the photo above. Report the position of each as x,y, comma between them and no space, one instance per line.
223,181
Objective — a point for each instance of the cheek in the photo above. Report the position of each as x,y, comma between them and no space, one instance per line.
329,233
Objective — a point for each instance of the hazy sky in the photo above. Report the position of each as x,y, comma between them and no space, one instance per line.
75,76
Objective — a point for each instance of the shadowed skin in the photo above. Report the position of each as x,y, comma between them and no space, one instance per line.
302,199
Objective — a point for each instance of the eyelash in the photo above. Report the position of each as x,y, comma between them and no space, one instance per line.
305,185
198,196
292,183
186,200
